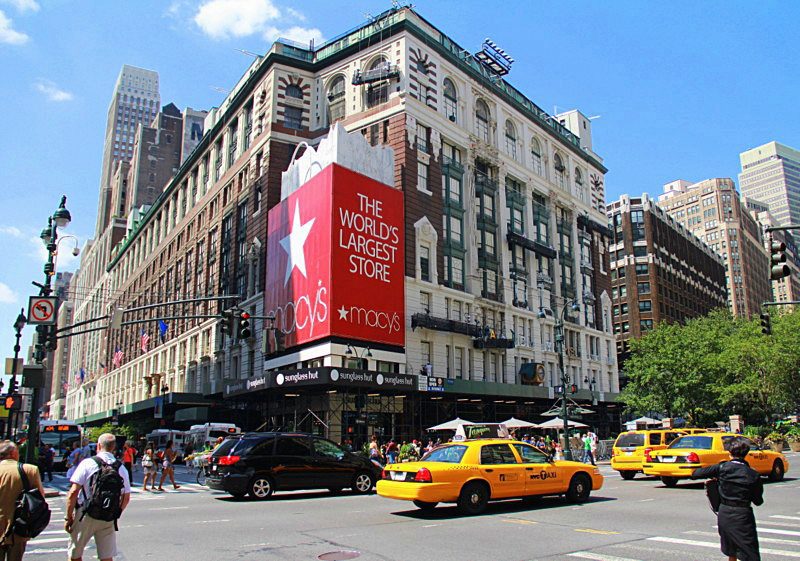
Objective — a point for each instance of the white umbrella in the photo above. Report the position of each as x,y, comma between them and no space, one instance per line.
451,425
647,421
513,423
559,424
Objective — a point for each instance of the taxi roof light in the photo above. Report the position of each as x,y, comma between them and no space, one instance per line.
423,476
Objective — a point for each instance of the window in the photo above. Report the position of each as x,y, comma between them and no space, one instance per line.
536,156
425,301
482,120
293,118
422,176
530,455
646,324
378,93
424,262
639,251
558,165
422,138
450,99
293,90
497,454
643,288
511,139
641,268
336,100
425,356
645,306
327,449
292,446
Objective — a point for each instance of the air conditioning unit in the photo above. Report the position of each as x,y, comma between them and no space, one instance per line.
452,118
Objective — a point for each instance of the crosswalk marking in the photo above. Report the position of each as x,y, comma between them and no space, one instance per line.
599,556
37,541
681,541
761,539
776,531
783,517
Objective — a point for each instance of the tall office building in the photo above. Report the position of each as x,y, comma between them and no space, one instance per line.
712,210
135,100
771,174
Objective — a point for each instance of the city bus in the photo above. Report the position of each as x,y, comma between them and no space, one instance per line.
160,437
60,435
206,435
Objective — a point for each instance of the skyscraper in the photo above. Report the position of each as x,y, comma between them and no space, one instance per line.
771,174
135,100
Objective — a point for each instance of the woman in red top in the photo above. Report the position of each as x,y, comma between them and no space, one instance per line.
128,457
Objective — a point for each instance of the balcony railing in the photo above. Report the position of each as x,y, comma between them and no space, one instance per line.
452,167
483,183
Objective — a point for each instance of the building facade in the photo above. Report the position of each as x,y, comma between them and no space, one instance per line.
505,227
660,271
771,174
712,211
135,101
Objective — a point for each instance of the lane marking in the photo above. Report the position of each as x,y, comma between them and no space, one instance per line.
170,508
646,500
598,556
783,517
776,531
761,539
520,521
715,545
209,521
45,551
593,531
431,525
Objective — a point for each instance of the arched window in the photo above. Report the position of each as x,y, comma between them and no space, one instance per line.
336,101
536,156
450,99
580,191
482,120
511,139
293,90
558,164
378,92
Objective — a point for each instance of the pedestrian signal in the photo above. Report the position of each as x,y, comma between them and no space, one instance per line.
574,388
766,324
13,402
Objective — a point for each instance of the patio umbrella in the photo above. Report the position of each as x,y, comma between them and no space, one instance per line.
631,425
451,425
559,424
513,423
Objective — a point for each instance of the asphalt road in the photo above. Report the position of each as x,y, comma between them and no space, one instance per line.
639,520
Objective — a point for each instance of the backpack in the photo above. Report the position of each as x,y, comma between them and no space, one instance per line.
32,513
106,486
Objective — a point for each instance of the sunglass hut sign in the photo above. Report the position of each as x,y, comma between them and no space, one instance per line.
335,260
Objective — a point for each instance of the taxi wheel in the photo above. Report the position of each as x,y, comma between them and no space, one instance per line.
473,498
261,487
777,471
362,483
579,488
627,475
669,481
422,505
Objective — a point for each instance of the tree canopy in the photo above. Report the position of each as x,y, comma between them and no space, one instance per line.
716,366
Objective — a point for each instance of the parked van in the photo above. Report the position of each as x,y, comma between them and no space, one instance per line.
632,449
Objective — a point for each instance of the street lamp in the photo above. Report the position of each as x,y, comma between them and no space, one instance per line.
49,236
361,356
573,305
12,386
592,384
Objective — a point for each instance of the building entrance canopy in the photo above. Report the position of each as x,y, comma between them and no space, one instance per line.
322,376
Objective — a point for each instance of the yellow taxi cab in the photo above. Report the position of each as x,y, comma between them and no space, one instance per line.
470,473
631,448
690,452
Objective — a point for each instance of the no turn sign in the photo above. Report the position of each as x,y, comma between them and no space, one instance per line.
42,310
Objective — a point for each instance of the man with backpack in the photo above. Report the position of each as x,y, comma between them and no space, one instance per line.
12,545
99,493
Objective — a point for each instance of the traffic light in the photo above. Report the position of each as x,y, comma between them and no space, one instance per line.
12,385
227,326
766,324
244,325
13,402
779,268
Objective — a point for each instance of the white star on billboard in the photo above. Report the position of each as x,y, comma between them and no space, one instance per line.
293,244
342,313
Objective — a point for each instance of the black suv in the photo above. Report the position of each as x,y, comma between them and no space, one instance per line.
259,463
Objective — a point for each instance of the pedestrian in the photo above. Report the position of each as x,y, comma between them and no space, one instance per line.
97,497
46,455
168,467
588,457
149,469
73,459
12,547
739,485
129,457
391,452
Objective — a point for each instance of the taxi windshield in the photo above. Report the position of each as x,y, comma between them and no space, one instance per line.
693,442
445,454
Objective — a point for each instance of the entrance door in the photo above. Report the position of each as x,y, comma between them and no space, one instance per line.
500,468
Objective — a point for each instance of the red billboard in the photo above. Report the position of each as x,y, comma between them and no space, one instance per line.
335,261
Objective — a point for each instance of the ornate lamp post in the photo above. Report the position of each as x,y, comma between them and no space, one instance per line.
573,305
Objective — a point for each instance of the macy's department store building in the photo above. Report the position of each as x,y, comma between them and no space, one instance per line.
362,341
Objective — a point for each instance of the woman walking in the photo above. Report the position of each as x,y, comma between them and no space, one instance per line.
168,467
149,469
739,485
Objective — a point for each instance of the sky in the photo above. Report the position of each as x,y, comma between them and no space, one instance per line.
680,88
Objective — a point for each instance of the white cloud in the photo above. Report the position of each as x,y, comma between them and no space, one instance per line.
221,19
291,12
23,5
10,35
52,91
7,296
11,231
295,33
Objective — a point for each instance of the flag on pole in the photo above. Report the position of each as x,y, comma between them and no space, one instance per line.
162,329
117,358
145,340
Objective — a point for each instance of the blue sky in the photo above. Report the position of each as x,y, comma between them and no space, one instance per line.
681,87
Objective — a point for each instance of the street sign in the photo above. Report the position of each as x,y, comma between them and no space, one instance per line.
33,376
10,365
42,310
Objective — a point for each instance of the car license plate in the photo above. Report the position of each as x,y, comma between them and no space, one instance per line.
213,468
668,459
399,475
629,453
